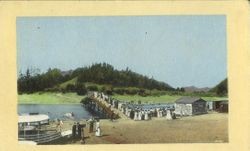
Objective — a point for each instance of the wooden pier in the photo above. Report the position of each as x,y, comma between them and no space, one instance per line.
100,106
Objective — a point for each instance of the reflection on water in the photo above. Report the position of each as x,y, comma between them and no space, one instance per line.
55,110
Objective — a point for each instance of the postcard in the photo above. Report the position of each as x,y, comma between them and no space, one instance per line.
102,76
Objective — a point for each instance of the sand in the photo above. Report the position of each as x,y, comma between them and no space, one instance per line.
207,128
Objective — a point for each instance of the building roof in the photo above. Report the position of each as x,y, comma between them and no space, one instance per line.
224,102
188,100
32,118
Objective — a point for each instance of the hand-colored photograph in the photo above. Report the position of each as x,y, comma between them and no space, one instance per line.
122,79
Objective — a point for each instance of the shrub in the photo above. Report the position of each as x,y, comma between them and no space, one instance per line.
81,89
70,87
131,91
143,92
119,91
63,90
107,89
155,92
92,88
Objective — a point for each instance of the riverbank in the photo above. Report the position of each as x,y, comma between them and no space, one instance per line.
50,98
73,98
207,128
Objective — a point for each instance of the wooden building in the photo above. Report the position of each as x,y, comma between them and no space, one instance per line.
190,106
221,106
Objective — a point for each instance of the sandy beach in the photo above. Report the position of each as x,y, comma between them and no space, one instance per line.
207,128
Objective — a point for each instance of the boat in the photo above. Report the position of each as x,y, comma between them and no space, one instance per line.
69,115
36,129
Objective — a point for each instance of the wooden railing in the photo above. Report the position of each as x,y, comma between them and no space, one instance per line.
40,138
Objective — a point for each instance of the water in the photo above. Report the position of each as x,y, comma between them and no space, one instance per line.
55,111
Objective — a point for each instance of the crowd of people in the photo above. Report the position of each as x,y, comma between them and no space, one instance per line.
78,131
137,112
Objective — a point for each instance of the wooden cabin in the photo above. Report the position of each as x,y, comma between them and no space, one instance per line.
190,106
221,106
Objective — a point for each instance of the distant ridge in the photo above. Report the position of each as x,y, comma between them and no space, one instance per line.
191,89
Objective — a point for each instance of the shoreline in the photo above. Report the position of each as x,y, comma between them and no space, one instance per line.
48,103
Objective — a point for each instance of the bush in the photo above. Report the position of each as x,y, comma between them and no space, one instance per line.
63,90
143,92
81,89
155,92
55,89
132,91
107,89
119,91
70,87
92,88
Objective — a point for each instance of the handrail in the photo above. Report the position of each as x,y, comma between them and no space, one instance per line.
41,138
38,135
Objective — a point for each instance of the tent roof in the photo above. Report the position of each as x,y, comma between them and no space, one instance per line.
32,118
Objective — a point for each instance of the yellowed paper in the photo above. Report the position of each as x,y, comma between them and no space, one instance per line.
237,17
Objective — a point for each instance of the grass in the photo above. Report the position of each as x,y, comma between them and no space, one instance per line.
72,81
73,98
49,98
159,99
149,99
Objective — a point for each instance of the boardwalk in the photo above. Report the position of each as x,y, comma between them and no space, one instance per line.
99,103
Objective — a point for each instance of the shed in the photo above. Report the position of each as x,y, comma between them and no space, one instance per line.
221,106
190,106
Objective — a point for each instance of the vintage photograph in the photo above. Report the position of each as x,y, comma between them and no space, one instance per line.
122,79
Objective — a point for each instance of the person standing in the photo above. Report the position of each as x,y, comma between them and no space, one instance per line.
169,116
82,136
135,115
60,125
91,124
97,124
98,132
74,130
146,115
139,115
79,131
112,116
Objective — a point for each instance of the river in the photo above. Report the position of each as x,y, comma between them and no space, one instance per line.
55,111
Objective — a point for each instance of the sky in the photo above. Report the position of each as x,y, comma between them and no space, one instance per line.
179,50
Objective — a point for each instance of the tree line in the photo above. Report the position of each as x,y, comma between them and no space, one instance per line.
118,81
221,89
101,73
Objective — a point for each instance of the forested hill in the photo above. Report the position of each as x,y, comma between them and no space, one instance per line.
221,89
101,73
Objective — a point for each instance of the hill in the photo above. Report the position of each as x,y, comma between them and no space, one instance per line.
72,81
99,74
192,89
221,89
106,74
